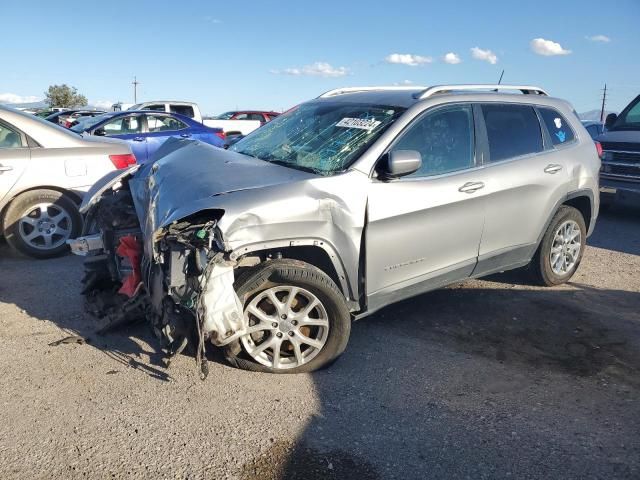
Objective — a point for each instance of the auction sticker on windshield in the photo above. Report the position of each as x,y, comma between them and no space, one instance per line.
359,123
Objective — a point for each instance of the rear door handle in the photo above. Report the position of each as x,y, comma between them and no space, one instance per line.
471,187
552,168
185,135
138,139
5,169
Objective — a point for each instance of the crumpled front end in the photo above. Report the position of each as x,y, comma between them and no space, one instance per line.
175,274
172,241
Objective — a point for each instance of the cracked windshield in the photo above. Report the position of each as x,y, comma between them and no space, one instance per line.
321,137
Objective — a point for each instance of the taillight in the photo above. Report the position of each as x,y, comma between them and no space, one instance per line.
221,135
123,161
599,150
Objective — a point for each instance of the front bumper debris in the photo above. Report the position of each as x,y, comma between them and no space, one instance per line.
83,246
221,308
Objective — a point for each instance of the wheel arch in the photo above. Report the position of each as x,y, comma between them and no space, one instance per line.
582,201
316,252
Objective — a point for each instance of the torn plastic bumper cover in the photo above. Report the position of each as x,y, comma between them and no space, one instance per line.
170,267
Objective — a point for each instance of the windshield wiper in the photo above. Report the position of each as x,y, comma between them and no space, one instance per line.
294,166
244,153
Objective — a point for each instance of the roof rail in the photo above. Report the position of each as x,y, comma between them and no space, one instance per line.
525,89
340,91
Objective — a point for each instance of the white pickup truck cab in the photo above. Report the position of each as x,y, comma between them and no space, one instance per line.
188,109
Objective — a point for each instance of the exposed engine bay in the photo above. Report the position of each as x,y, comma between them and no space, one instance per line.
210,245
185,290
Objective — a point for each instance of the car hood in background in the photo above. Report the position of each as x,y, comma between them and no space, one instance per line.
621,136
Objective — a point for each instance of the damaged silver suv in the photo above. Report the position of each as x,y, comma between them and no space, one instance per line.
345,204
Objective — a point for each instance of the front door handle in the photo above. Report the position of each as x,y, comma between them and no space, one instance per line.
552,168
185,135
5,169
138,139
471,187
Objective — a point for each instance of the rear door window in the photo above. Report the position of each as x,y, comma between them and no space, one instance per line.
10,138
512,131
558,127
123,126
158,107
162,123
186,110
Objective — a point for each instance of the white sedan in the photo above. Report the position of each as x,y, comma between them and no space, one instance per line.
45,170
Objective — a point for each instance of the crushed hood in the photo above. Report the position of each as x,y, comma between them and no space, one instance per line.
185,174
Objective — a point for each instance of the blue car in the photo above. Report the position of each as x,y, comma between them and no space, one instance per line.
146,130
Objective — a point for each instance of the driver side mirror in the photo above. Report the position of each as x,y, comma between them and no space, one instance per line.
400,163
610,120
99,132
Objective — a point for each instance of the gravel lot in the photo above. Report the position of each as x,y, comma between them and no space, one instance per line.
488,379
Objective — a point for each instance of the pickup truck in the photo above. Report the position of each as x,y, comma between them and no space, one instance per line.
240,122
188,109
620,173
233,126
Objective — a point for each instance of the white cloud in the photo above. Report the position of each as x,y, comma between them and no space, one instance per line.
407,59
211,19
317,69
403,82
13,98
485,55
547,48
452,58
102,104
599,38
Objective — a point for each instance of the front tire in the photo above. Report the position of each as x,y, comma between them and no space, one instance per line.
38,223
298,319
561,249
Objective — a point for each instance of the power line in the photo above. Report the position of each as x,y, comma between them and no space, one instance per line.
135,84
604,102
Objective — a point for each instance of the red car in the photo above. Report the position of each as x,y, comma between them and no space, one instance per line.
263,117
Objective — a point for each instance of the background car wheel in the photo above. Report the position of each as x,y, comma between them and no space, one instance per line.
298,319
39,223
561,249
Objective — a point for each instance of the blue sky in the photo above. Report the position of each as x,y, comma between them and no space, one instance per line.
274,54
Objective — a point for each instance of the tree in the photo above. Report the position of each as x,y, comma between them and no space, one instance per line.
64,96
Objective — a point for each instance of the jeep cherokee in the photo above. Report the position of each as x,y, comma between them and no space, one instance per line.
345,204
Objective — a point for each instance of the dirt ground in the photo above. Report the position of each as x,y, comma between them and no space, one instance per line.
487,379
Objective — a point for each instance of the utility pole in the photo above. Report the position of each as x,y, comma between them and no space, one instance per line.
604,101
135,84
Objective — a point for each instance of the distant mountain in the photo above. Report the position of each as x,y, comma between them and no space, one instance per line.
30,105
593,115
41,104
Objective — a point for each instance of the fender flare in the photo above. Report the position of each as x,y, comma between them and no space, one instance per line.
330,250
571,195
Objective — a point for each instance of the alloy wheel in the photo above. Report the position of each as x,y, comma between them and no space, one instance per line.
288,327
565,248
45,226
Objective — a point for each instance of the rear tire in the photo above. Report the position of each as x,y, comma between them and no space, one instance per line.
300,285
39,222
561,249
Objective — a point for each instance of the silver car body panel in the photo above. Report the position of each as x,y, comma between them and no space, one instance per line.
387,240
61,159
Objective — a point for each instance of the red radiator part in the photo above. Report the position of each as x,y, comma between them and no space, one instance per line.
130,248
